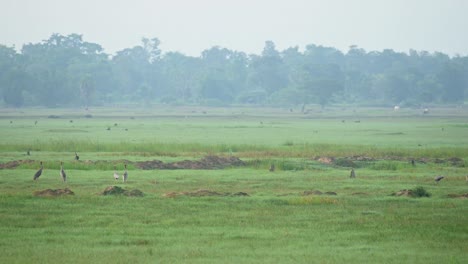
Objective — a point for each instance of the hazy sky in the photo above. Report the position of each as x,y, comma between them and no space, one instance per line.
190,26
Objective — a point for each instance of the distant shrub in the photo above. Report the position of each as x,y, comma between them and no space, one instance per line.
88,116
288,143
420,192
53,116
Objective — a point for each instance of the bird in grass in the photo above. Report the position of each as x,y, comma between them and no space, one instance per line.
38,173
28,152
272,168
438,178
62,173
76,156
353,174
125,175
116,176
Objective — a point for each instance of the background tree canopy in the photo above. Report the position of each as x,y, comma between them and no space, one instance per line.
68,71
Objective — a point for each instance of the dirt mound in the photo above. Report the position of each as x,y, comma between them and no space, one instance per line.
240,194
314,192
202,193
462,196
325,160
404,192
54,193
116,190
15,163
359,193
207,163
317,192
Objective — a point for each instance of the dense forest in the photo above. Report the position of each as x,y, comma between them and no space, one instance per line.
66,71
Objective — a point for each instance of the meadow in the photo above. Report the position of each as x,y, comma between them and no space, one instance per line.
282,219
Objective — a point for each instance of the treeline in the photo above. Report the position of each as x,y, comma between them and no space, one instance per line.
68,71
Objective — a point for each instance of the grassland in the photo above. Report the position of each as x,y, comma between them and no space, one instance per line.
276,223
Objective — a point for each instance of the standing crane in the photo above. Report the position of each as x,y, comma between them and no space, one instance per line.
62,173
38,173
116,176
125,175
76,156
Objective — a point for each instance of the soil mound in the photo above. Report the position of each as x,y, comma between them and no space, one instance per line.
314,192
462,196
207,163
15,163
54,193
317,192
404,192
202,193
116,190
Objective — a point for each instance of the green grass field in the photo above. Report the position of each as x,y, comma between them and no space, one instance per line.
276,223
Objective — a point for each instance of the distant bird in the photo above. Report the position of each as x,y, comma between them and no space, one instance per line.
35,122
353,174
272,168
125,175
412,162
76,156
116,176
28,153
38,173
62,173
108,128
438,178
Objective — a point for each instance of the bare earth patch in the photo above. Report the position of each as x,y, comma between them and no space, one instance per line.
202,193
15,163
404,192
54,193
207,163
317,192
461,196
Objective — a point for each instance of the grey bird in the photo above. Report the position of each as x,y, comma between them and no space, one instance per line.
76,156
438,178
38,173
272,168
62,173
125,175
353,174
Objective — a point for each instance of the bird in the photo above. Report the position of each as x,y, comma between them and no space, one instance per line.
116,176
412,162
35,122
28,152
62,173
38,173
438,178
125,175
353,174
76,156
272,168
